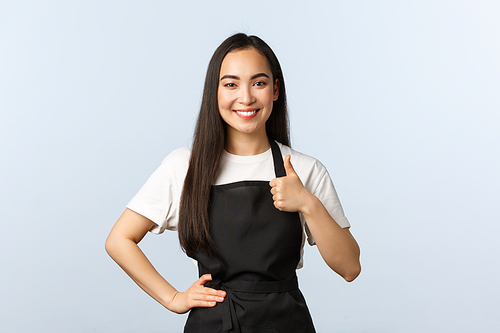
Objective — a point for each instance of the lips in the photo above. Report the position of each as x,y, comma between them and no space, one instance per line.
247,114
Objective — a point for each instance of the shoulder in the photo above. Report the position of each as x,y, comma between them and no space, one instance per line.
173,168
316,180
178,156
302,163
311,171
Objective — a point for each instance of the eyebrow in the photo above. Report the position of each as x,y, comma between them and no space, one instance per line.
234,77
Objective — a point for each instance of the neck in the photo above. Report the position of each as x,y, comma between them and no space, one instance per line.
246,144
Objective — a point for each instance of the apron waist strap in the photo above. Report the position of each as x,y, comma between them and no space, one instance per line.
229,318
262,287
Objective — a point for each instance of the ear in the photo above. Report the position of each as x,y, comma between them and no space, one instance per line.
276,89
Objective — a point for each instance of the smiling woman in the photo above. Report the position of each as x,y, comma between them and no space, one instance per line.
242,210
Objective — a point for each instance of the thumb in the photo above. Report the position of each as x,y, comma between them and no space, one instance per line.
204,279
288,166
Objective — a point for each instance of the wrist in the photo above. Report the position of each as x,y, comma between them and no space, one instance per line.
170,302
310,204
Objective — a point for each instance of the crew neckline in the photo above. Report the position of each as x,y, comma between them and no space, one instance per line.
246,158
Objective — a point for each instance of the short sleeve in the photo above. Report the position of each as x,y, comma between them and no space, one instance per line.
326,193
316,180
159,198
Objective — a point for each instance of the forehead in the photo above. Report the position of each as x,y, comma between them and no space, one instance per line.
245,62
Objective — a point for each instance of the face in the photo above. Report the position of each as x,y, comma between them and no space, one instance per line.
246,92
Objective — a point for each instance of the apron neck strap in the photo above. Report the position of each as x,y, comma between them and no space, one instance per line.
279,168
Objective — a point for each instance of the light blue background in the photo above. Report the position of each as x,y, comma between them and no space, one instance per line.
399,99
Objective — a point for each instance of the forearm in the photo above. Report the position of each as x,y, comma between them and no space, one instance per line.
336,245
127,254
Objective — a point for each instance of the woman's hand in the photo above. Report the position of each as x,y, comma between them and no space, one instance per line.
289,194
337,246
197,296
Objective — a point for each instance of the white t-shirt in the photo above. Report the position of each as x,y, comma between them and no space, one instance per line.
159,198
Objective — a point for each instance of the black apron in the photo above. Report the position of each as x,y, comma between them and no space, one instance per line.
257,249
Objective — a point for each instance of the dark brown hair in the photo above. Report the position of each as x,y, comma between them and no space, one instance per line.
209,140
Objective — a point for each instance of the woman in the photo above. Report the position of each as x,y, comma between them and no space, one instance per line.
240,208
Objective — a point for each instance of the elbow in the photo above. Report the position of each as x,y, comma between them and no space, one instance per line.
110,246
352,274
348,270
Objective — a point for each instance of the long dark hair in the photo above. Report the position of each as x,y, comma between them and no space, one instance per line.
209,140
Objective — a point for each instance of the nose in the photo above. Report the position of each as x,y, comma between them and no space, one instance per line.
246,95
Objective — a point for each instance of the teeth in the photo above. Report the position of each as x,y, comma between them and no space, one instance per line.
246,113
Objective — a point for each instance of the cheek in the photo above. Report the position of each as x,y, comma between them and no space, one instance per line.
268,97
223,100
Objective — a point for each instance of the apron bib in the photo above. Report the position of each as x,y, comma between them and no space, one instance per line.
257,249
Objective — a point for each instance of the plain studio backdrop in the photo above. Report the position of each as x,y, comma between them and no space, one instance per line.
399,99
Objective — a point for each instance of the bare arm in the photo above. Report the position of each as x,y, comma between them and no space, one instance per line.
337,246
121,245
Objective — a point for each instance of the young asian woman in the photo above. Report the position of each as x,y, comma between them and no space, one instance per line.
243,203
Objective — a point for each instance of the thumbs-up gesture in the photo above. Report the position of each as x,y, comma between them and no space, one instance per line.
288,192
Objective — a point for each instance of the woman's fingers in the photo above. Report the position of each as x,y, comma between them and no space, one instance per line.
288,192
205,296
209,291
198,296
204,279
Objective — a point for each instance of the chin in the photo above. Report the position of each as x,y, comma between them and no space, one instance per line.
250,131
246,130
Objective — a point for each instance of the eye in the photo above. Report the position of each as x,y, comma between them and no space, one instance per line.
230,85
260,83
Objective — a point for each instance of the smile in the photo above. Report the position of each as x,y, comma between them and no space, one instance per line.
246,114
